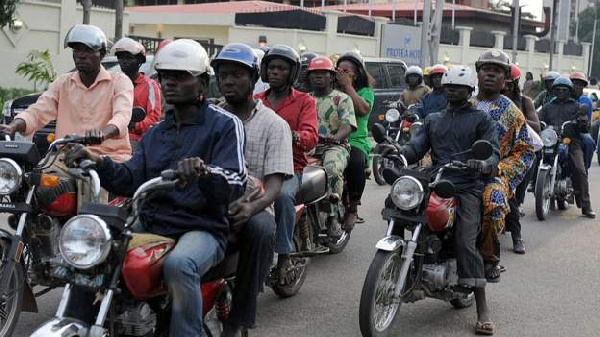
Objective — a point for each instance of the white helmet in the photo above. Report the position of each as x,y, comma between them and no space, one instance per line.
130,46
259,55
183,55
460,75
413,70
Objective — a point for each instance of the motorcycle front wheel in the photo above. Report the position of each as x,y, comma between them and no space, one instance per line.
10,306
378,169
378,307
542,195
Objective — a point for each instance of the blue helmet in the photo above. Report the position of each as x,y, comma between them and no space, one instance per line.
237,53
564,81
551,76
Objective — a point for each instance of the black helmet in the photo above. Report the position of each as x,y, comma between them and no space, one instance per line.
283,52
494,56
306,57
89,35
353,57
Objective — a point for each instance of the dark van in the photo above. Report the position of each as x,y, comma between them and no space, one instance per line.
389,83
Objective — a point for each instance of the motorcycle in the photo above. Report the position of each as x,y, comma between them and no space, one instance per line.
316,213
401,127
409,269
553,182
99,251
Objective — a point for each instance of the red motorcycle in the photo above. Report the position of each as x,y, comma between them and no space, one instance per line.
409,269
100,252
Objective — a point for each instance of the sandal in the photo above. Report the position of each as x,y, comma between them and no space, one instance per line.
485,328
287,274
349,221
492,273
359,219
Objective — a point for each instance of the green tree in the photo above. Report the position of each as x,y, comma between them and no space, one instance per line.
38,68
7,9
585,33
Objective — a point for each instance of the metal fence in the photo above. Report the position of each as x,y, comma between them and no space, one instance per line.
482,39
151,43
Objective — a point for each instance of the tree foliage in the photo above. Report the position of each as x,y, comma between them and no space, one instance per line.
586,32
38,68
7,9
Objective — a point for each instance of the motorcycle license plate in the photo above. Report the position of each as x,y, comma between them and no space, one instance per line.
547,150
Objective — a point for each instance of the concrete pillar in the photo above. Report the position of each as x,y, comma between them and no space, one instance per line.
379,24
559,65
530,50
499,36
331,23
464,41
587,47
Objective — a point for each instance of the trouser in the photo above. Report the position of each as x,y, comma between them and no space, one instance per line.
255,242
285,214
193,255
335,160
495,207
468,259
355,174
513,219
589,146
522,187
579,175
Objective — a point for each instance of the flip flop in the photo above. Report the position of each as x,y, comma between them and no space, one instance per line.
485,328
359,220
492,273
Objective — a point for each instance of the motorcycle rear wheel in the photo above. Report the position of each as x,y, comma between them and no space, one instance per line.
378,309
542,195
10,309
377,170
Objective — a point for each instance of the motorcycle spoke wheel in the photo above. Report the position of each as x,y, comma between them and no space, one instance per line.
11,304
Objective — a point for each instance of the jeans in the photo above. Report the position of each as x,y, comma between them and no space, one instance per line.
469,262
255,243
589,146
194,254
285,214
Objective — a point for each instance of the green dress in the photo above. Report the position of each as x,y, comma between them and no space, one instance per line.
359,138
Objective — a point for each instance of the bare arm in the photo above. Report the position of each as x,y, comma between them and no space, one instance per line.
530,114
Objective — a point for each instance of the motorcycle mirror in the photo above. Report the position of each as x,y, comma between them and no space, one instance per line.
444,189
390,174
378,132
138,114
482,149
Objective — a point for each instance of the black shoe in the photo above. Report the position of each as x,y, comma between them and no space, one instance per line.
588,213
518,246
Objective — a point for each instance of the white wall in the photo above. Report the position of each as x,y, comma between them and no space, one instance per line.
45,26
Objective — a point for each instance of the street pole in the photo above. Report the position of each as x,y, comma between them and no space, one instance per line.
393,10
515,31
118,19
593,38
425,33
552,32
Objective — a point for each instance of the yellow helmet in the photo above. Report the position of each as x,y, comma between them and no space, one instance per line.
426,71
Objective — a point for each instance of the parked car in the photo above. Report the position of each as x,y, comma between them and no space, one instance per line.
389,83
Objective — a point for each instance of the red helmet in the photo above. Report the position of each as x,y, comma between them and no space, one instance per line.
321,63
438,69
579,76
515,73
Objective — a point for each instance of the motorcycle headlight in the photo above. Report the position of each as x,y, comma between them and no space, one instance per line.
84,241
11,176
549,137
407,193
392,115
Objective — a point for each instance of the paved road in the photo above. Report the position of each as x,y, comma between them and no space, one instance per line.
550,291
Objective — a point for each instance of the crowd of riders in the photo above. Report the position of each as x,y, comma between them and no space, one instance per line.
276,107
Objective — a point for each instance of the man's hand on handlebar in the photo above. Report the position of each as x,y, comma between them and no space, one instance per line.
17,125
191,169
480,166
329,139
74,153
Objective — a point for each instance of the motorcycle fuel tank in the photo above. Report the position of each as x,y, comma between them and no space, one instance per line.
440,212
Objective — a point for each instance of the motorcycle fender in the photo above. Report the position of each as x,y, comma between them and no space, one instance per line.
545,167
58,327
390,243
29,302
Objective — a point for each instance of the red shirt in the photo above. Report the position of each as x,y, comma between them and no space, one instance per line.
299,110
146,94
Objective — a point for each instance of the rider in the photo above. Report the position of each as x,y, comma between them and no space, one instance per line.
269,158
435,100
516,153
513,222
260,85
302,82
562,109
416,88
354,80
445,133
206,144
589,144
280,68
546,96
90,101
335,114
146,92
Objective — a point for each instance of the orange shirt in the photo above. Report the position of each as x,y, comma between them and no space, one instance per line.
77,108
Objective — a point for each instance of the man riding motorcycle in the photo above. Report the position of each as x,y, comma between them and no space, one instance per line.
90,101
269,158
280,68
580,81
447,133
416,88
516,153
146,92
206,145
435,100
562,109
546,96
335,114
